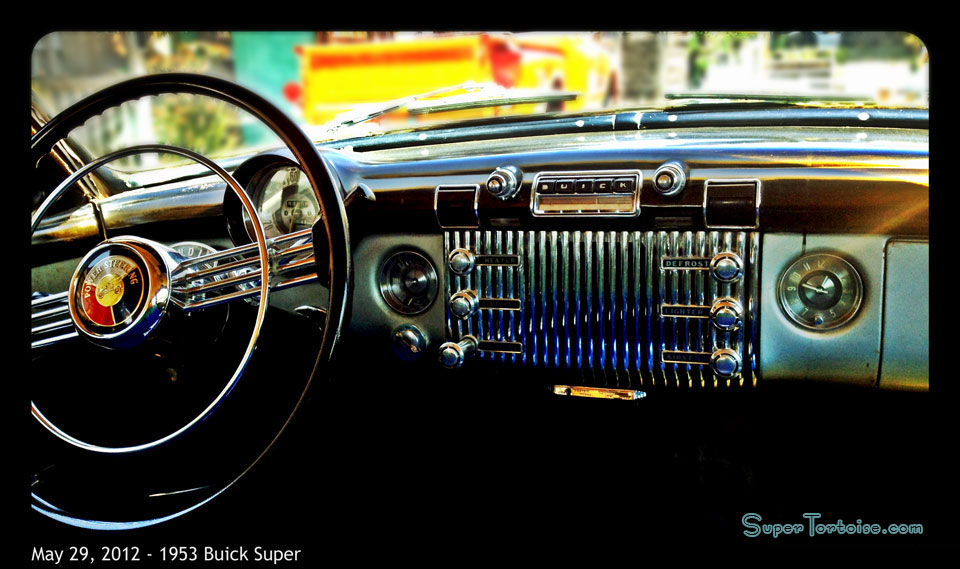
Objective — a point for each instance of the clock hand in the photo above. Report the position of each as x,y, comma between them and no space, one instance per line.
816,289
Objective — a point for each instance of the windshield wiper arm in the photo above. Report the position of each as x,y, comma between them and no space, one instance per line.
351,118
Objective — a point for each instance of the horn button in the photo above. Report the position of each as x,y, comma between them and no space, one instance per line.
120,291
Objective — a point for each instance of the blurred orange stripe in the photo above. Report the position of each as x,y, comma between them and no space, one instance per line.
318,60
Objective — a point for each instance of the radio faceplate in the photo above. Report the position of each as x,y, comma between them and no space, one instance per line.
587,193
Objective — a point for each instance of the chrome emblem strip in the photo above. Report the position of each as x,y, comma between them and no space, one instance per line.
685,310
678,357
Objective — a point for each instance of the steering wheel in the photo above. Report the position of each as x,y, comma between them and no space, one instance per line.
128,289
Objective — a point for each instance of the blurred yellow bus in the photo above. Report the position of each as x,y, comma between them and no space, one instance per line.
340,77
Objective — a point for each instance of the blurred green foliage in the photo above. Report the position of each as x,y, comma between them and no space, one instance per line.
703,47
201,124
204,125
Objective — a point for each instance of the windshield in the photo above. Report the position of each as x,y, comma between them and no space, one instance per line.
319,78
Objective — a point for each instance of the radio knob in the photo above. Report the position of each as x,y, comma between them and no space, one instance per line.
453,354
504,183
464,304
461,261
726,314
725,363
727,267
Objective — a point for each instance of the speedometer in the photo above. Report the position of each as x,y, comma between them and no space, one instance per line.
285,202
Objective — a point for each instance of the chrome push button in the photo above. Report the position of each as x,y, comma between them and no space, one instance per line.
726,314
464,304
453,354
727,267
461,261
725,363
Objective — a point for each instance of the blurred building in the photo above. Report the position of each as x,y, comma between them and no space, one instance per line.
885,67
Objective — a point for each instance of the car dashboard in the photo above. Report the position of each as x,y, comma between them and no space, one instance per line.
698,284
631,258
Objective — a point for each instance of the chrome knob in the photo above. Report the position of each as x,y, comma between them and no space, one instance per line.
461,261
453,354
725,363
726,314
727,267
670,178
664,182
409,342
464,304
504,183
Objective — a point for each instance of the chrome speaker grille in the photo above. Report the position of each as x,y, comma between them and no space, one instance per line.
589,303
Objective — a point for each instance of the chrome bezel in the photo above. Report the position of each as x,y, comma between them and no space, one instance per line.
839,321
386,293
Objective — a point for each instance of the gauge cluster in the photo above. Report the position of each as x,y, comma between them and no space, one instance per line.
284,201
281,194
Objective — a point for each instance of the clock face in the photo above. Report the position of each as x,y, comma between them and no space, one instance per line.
820,291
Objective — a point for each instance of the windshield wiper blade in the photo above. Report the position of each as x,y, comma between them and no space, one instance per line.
351,118
478,95
492,97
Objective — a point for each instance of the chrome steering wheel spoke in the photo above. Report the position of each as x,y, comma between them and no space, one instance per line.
234,274
50,321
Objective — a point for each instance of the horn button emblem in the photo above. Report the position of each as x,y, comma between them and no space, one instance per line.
112,290
119,292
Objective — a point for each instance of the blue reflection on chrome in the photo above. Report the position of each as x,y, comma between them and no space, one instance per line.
44,502
109,526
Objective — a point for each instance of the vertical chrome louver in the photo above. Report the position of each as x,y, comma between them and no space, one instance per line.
590,303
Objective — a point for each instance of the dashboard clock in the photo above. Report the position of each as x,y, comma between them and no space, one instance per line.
820,291
408,282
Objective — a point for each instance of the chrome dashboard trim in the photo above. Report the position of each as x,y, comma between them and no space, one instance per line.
148,205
